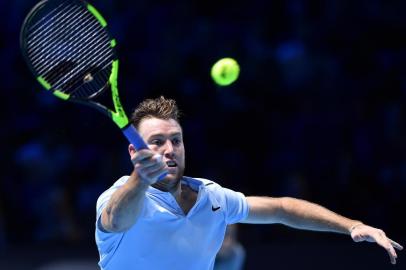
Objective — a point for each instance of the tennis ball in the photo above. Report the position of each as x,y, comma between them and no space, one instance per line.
225,71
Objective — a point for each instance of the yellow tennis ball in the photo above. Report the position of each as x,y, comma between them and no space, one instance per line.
225,71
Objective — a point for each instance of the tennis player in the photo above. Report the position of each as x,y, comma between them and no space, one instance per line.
179,222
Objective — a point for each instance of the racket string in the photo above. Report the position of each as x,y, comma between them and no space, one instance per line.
80,67
47,40
76,87
52,58
46,18
79,52
66,65
39,54
91,90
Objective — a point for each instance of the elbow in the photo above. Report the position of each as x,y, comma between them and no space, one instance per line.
116,227
114,224
285,209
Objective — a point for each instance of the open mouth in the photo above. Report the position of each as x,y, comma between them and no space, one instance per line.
171,164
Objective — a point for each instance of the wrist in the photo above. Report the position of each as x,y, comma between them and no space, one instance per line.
355,225
138,182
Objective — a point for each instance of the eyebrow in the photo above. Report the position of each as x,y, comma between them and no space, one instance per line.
162,135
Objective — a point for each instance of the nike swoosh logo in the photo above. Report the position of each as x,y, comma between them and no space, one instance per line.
214,209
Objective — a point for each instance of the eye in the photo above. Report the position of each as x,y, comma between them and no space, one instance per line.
176,141
157,142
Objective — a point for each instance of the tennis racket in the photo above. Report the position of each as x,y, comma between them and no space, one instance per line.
69,50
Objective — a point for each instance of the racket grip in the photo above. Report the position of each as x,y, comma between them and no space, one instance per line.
134,138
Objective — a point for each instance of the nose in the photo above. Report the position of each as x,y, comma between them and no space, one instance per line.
168,148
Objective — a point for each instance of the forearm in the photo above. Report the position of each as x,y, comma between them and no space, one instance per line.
297,213
310,216
124,205
305,215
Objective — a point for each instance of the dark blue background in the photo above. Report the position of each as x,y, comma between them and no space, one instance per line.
317,113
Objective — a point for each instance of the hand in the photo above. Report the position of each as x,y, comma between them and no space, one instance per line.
148,165
362,232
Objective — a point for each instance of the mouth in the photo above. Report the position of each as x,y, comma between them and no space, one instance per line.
171,164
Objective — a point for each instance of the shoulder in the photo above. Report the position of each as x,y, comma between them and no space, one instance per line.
107,193
197,182
212,187
232,203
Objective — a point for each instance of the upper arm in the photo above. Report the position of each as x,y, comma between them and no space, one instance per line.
110,224
102,203
102,217
235,206
105,223
263,210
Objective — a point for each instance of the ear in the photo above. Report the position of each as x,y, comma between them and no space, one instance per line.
131,150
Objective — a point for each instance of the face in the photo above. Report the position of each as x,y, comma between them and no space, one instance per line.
165,138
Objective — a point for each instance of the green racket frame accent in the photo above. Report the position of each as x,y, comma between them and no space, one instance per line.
61,95
97,14
113,43
47,86
119,117
44,83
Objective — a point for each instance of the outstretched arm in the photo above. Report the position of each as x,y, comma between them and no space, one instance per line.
126,203
305,215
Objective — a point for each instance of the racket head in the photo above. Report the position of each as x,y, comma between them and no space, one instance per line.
69,50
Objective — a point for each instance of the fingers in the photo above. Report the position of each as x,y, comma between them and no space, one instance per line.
358,238
385,243
141,155
380,238
370,234
395,244
389,245
392,253
149,166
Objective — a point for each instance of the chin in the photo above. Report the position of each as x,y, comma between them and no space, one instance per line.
176,174
169,183
173,178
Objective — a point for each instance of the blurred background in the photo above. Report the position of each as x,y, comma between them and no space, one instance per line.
318,113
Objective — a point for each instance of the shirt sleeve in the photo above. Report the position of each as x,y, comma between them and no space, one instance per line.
106,242
105,196
236,206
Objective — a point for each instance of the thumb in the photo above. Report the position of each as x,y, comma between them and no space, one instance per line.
357,238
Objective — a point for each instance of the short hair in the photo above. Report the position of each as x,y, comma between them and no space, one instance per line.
161,108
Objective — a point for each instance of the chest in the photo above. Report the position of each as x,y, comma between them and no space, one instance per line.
187,199
183,242
199,232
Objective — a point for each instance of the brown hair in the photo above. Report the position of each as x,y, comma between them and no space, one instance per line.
161,108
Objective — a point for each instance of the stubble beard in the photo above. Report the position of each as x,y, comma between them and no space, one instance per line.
170,185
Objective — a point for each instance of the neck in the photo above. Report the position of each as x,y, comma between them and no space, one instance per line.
174,189
183,194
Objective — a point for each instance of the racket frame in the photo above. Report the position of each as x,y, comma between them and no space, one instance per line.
118,116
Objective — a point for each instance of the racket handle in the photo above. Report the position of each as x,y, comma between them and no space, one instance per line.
134,138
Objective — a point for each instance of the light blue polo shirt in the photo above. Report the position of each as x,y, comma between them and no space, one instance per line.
163,237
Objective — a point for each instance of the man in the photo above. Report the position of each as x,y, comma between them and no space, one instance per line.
157,218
